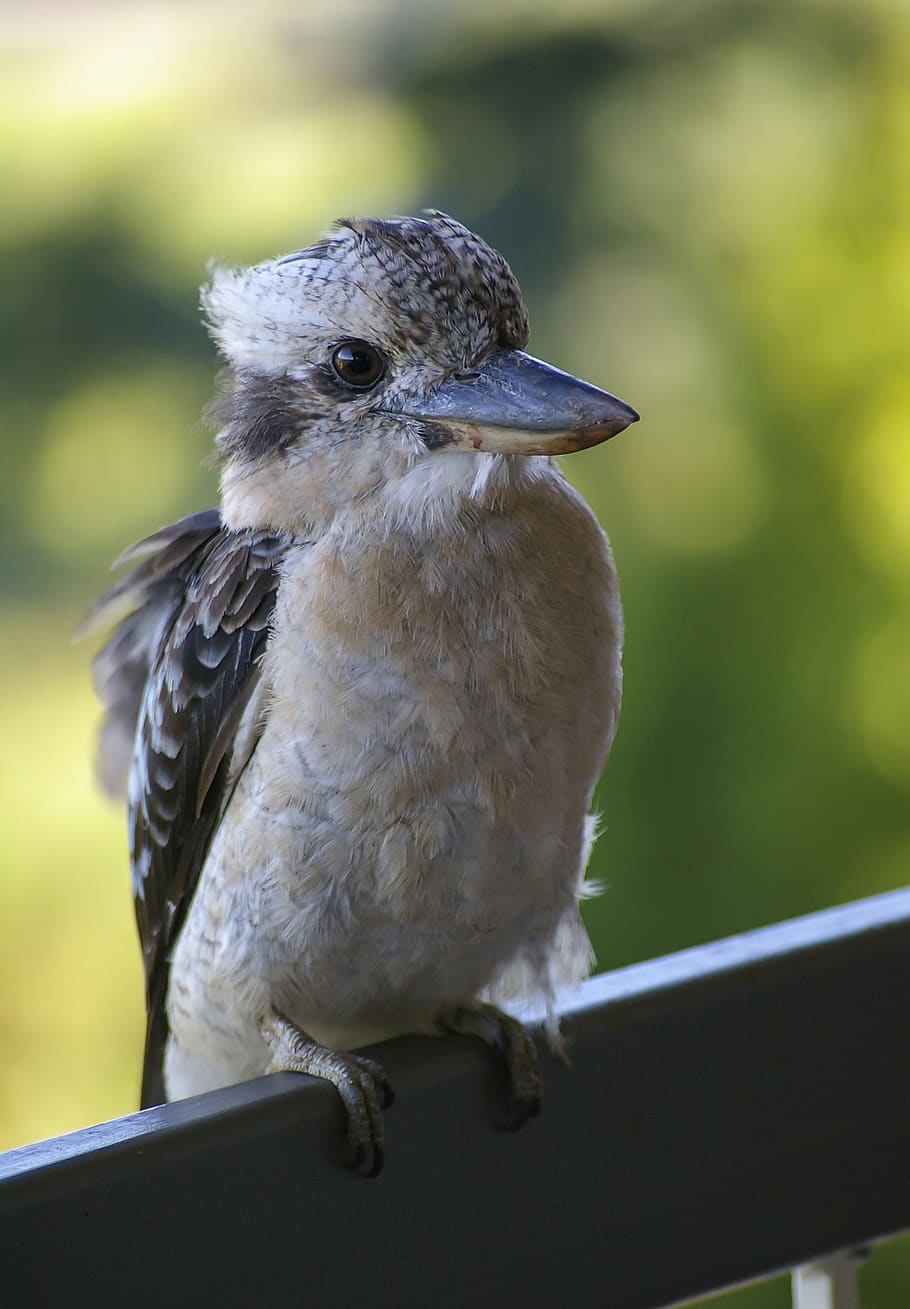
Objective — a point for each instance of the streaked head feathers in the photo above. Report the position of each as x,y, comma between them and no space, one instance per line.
425,286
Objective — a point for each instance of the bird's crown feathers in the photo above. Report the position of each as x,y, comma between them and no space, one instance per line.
425,283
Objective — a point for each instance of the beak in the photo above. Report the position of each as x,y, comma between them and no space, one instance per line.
515,404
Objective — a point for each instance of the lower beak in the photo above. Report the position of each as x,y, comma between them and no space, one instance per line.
515,404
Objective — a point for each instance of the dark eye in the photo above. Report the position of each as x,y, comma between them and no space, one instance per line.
358,364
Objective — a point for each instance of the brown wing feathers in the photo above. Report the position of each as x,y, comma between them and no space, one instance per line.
175,678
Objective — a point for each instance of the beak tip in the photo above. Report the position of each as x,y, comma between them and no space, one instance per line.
612,418
626,415
620,417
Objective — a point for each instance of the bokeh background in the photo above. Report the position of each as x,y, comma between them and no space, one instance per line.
708,205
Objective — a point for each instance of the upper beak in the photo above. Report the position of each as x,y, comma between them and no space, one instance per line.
515,404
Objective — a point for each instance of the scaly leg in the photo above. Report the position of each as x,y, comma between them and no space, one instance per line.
360,1082
509,1038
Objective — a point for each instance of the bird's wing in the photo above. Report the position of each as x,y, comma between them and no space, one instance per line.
176,677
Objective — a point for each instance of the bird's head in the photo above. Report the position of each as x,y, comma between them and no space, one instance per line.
388,342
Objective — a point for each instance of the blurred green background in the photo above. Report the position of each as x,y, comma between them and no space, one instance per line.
707,203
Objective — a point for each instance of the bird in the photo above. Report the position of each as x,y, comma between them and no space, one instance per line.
360,708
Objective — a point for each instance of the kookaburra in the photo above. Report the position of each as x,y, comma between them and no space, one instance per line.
364,704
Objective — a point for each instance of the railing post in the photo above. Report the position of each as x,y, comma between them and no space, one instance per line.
829,1284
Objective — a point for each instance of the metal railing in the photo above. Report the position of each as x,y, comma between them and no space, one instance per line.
732,1111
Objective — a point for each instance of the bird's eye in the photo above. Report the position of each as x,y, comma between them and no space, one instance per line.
358,364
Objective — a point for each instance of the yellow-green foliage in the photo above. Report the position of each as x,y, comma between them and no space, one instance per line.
708,205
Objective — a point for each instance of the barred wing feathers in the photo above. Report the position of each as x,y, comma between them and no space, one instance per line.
175,678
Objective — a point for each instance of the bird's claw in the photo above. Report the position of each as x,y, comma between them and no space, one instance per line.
368,1159
361,1083
510,1039
520,1110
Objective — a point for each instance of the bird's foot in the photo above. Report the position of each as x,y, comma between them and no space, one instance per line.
360,1082
510,1039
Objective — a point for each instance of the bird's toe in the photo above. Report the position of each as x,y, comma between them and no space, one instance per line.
512,1041
361,1083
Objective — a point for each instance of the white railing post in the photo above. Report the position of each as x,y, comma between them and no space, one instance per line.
829,1284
